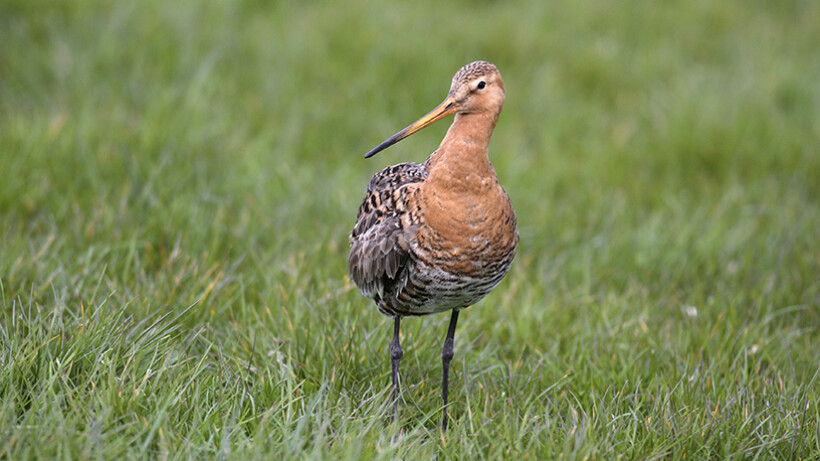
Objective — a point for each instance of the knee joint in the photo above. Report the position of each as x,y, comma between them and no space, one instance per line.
447,352
395,352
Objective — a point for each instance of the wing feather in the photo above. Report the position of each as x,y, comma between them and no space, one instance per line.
379,259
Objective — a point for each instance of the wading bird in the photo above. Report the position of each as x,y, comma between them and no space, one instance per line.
437,236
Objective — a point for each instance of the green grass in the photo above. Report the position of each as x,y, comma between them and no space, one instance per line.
179,180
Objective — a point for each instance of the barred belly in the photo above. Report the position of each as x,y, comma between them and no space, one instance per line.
431,289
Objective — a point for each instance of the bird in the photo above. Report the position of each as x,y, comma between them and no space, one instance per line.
440,235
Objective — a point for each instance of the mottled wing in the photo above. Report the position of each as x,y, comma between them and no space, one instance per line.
379,257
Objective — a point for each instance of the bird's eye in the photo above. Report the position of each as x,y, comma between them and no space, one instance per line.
481,85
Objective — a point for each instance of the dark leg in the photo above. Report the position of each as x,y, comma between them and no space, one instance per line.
446,357
395,356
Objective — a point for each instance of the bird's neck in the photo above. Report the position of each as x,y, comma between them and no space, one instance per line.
461,162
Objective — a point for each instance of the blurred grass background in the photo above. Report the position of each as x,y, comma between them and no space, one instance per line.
179,181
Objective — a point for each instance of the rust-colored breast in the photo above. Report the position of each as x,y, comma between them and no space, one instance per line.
469,234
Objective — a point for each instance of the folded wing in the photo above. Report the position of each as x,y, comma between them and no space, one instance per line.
379,260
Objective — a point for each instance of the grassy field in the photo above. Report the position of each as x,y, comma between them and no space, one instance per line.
179,180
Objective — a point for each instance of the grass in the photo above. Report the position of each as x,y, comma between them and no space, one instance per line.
179,180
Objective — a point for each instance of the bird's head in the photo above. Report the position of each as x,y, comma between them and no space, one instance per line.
477,87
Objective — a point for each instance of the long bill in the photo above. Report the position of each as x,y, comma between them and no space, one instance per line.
444,109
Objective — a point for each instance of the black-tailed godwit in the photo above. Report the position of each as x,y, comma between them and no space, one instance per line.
438,236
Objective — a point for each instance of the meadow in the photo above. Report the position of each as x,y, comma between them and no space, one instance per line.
179,180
